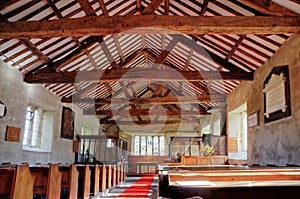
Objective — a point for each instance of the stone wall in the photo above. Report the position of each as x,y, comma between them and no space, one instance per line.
16,95
277,142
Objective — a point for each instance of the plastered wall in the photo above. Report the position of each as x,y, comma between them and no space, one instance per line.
16,95
276,142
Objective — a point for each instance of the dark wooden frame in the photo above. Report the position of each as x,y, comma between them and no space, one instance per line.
279,114
67,123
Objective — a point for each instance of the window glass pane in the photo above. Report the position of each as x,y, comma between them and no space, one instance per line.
155,145
35,128
28,126
162,145
149,145
137,145
143,145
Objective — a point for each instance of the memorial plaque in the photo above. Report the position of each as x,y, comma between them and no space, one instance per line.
12,134
276,90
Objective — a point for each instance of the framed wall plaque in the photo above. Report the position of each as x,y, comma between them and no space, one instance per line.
12,134
277,104
253,119
67,123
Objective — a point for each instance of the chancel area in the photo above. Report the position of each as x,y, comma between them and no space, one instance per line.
149,99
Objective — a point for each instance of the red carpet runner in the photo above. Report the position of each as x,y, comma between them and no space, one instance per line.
140,189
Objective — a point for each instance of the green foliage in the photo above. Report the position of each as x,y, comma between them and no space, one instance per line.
208,150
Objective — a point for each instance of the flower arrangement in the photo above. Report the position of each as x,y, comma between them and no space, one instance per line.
208,150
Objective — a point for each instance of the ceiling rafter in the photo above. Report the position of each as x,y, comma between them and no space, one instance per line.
103,7
167,7
204,7
5,4
56,66
198,86
154,5
30,45
268,7
59,15
133,106
119,48
87,8
236,46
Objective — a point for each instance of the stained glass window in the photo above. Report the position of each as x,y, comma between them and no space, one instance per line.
150,145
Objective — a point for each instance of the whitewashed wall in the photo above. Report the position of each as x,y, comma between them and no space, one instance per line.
16,95
276,142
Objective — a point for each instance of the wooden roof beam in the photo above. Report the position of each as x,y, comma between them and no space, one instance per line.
154,101
152,123
149,24
143,74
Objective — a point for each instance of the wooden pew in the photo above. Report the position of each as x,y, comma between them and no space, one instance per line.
252,183
69,179
12,181
7,178
47,180
84,181
95,179
23,177
266,174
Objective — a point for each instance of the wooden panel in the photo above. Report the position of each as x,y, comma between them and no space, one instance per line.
190,160
133,160
218,160
69,179
7,176
73,187
103,177
41,178
23,177
204,160
12,134
96,179
109,176
84,181
54,182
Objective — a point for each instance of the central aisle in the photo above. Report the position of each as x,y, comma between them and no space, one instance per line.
144,186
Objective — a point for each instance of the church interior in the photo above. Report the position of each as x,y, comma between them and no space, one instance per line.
149,99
